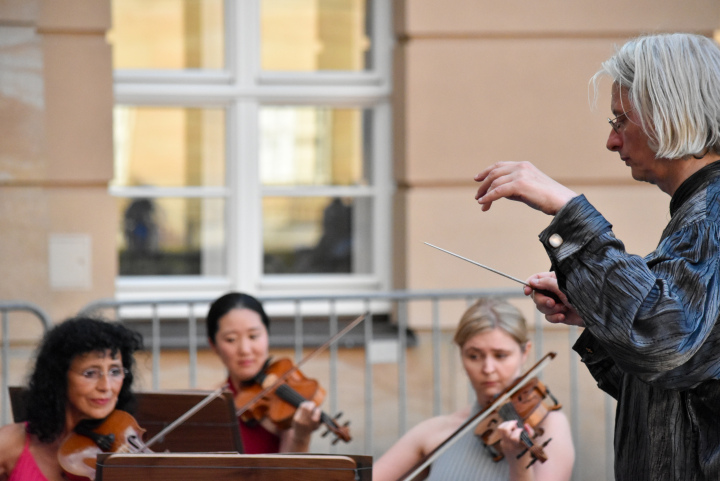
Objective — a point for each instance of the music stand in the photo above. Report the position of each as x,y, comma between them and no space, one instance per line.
16,403
222,466
214,428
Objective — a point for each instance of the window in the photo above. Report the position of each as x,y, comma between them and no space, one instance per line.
252,145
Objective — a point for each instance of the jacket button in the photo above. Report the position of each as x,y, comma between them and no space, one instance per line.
555,240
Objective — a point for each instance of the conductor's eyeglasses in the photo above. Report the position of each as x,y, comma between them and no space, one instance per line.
616,123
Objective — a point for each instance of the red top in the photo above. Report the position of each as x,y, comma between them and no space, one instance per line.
26,469
255,438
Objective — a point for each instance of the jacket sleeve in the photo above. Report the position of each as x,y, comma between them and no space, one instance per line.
654,316
602,367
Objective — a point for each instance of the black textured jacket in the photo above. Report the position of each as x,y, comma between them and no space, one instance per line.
652,340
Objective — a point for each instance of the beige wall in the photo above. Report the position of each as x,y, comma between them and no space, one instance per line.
479,81
483,81
475,82
56,154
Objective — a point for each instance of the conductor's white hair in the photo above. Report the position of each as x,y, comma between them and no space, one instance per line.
673,84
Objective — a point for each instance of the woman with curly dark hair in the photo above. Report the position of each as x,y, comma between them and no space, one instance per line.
83,371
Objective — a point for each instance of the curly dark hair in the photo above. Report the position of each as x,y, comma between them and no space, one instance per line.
226,303
46,397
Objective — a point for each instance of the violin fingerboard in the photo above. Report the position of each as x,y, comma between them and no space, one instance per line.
508,413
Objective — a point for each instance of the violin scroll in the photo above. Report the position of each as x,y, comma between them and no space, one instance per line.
341,432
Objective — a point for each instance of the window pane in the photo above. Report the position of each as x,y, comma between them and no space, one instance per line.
314,146
167,34
313,35
315,235
171,236
169,147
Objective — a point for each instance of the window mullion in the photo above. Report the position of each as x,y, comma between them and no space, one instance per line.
382,175
248,205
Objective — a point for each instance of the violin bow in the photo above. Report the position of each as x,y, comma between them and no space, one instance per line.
216,393
475,420
184,417
290,372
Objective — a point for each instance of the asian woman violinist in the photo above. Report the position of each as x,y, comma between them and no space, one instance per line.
493,343
83,371
237,328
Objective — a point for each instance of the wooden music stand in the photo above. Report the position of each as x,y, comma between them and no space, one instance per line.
214,428
222,466
16,403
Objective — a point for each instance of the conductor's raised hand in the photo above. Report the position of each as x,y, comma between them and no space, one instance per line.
555,312
523,182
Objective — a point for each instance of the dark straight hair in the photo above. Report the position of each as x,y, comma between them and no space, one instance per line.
226,303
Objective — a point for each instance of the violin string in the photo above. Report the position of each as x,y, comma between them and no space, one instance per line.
290,395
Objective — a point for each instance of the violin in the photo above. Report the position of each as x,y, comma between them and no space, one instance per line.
119,432
421,466
279,403
528,405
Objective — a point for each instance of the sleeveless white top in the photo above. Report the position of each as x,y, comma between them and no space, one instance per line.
468,459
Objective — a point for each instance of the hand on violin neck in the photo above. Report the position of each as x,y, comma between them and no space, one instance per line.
305,421
511,441
307,418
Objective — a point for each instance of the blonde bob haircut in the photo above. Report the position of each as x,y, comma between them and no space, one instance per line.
488,314
673,84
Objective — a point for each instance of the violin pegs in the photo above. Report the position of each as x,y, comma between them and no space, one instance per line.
325,433
338,415
346,424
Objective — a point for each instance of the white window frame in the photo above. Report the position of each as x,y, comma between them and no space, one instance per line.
241,90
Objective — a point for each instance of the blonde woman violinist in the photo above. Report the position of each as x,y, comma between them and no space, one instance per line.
493,343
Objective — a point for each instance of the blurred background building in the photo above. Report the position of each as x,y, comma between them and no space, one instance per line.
175,147
156,149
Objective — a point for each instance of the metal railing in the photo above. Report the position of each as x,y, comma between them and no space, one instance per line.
376,433
6,308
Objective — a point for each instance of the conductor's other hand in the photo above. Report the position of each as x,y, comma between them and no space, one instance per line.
523,182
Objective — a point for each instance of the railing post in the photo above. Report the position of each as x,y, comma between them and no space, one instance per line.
155,347
192,345
437,388
298,333
368,334
333,366
402,366
5,308
5,368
